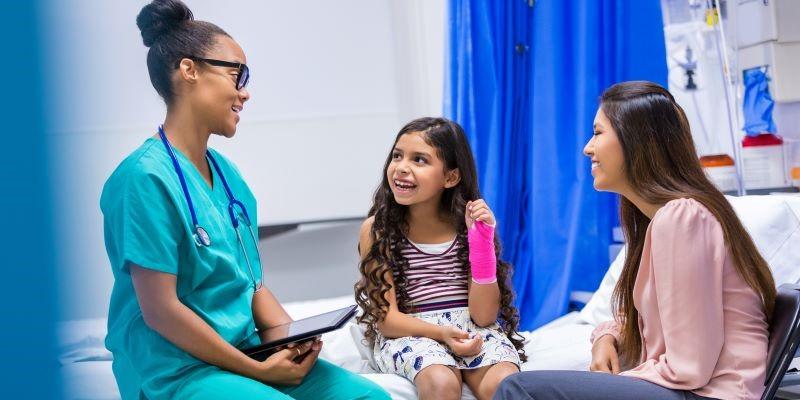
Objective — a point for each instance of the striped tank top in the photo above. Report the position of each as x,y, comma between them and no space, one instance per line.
435,279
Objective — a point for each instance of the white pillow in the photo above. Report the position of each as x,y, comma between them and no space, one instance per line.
774,224
772,221
364,350
82,340
342,349
560,345
598,308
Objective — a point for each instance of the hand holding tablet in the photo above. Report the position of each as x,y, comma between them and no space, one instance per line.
284,367
300,335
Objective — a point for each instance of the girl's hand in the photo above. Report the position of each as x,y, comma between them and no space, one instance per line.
604,355
289,366
478,210
460,343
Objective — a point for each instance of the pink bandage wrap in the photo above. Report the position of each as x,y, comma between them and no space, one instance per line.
481,253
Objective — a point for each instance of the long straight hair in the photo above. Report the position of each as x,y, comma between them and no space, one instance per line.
390,227
661,164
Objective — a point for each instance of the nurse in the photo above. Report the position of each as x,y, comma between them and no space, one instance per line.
178,233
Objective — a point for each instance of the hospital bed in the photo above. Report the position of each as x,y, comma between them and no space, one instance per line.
773,222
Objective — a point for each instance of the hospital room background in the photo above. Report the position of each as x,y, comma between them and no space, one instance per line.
332,83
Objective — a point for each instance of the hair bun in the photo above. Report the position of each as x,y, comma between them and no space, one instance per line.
161,16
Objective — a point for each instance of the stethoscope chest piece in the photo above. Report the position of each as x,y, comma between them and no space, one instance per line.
201,238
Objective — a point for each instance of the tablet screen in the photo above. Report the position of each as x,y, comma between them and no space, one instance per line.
302,326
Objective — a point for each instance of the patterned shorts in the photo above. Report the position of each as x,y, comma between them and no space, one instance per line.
407,356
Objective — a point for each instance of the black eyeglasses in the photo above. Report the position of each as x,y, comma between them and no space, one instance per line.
244,72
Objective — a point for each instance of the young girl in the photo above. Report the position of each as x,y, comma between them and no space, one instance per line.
694,297
432,287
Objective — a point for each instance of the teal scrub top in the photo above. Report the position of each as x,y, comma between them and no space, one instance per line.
147,223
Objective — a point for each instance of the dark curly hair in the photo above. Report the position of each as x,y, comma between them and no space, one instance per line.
390,227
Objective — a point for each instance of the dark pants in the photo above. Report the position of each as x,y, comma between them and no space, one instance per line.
584,385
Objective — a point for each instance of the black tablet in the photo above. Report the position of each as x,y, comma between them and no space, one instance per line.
299,331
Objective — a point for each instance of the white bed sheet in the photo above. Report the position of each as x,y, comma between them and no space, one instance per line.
86,364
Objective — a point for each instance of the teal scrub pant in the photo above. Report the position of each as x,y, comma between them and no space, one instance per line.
325,381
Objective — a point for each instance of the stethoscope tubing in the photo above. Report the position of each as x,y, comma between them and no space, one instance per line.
200,235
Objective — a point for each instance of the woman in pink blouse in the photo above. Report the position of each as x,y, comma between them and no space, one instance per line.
694,295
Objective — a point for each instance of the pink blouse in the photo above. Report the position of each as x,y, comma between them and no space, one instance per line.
703,328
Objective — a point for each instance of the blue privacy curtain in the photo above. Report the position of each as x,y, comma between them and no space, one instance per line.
523,78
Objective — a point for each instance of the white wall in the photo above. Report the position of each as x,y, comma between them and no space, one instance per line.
332,83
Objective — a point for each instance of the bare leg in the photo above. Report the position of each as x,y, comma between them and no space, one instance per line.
438,382
484,381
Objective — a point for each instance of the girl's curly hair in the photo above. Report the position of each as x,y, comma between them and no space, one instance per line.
390,227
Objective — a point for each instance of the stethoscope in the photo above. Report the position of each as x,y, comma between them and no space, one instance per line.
235,208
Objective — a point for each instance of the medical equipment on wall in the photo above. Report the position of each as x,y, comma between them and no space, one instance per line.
718,45
768,34
691,75
689,65
695,80
762,148
792,157
721,171
796,177
768,39
762,157
236,210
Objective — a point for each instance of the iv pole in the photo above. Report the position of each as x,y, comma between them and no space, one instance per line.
730,91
